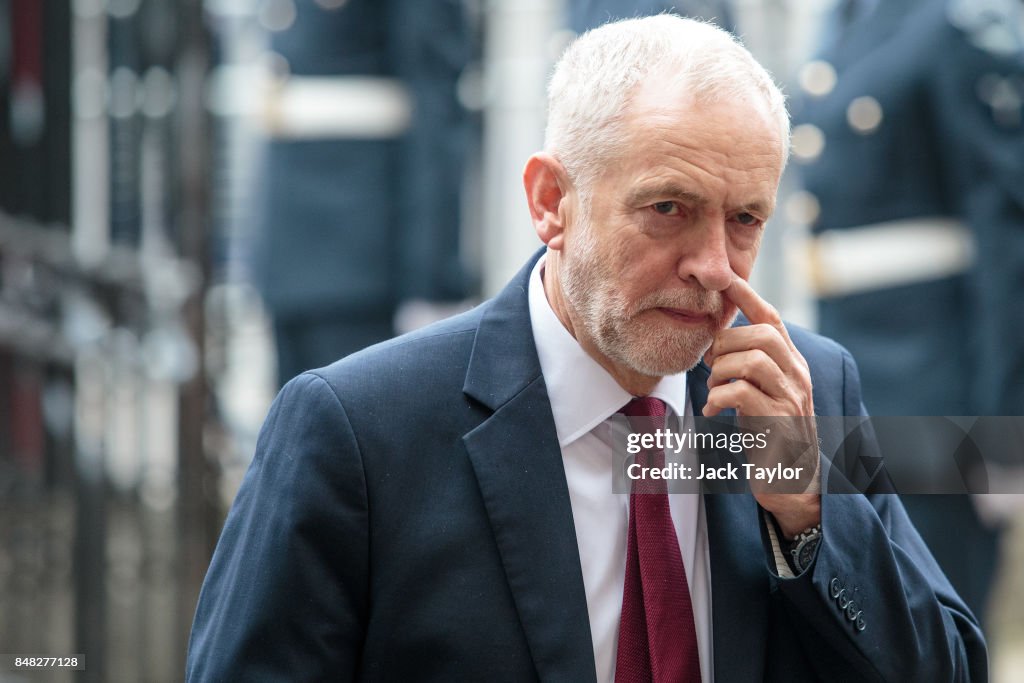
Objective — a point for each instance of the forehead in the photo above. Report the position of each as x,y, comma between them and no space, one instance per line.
732,145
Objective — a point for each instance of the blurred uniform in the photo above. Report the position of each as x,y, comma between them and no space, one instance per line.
358,203
912,141
588,14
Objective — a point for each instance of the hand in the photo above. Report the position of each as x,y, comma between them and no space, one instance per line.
758,371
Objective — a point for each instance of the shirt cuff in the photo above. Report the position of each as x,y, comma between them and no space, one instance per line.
782,567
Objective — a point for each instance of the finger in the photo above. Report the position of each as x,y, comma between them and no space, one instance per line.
740,395
754,366
749,337
757,310
750,302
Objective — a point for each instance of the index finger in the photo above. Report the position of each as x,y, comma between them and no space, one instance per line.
757,310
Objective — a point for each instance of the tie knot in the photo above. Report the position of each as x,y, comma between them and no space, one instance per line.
644,406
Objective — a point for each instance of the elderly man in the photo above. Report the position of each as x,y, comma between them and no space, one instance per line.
441,506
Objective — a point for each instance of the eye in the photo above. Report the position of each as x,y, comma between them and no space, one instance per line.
666,208
747,219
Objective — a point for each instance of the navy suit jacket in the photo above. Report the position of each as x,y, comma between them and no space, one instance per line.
406,517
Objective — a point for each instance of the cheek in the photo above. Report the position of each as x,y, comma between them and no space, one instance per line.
626,259
741,260
655,271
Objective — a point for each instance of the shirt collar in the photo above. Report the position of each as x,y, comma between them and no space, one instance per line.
581,392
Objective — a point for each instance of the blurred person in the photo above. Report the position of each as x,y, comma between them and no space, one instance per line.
440,506
358,201
587,14
915,171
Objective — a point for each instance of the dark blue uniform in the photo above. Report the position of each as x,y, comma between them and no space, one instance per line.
350,227
588,14
915,120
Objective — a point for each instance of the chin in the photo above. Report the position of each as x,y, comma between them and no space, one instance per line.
660,355
660,367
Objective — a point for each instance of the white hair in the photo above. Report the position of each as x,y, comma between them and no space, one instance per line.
590,90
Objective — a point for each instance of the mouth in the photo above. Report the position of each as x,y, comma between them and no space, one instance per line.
686,316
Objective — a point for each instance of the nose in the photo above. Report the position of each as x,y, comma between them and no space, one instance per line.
707,260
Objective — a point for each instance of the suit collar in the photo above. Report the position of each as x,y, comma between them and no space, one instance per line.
504,359
518,467
739,580
697,383
739,586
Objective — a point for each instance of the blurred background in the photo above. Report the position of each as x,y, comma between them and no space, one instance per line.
201,198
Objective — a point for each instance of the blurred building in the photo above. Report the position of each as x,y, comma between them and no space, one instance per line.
102,401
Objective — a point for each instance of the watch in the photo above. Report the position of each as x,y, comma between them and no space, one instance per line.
802,547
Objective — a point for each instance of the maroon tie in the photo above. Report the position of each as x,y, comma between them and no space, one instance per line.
657,638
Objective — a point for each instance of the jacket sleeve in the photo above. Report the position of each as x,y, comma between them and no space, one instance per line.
874,605
283,600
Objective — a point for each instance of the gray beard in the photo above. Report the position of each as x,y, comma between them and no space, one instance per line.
642,346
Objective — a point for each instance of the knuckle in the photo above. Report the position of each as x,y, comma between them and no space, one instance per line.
763,360
767,334
752,367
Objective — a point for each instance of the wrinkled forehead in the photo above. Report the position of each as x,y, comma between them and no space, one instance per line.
739,128
741,115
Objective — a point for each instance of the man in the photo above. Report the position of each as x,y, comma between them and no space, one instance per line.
440,507
358,193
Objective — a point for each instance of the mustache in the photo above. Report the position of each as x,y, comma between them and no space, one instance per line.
704,301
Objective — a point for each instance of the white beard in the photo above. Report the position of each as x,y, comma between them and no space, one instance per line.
625,333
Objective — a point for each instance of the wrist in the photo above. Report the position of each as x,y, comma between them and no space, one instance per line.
798,515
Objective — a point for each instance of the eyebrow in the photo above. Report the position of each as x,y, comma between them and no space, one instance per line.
668,189
672,190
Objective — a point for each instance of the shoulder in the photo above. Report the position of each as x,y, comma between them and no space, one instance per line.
829,360
817,349
834,373
429,360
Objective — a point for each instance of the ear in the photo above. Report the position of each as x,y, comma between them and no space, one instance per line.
547,187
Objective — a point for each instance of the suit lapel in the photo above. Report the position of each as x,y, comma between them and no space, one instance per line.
739,581
518,466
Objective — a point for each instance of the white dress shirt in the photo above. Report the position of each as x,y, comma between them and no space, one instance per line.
583,397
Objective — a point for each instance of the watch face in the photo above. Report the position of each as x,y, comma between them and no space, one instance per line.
805,552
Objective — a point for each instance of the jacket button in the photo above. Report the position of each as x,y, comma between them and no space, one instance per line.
851,611
842,600
834,587
860,623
